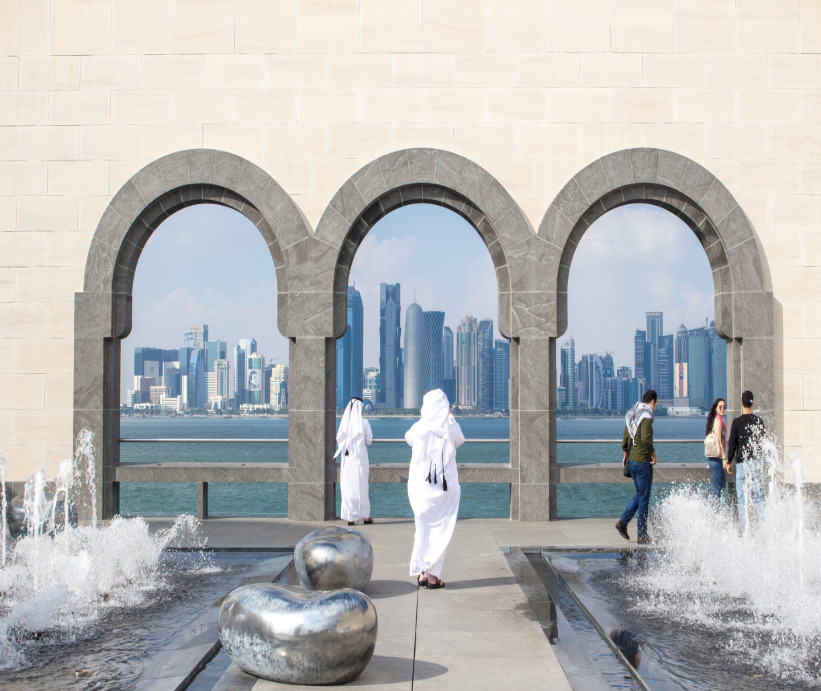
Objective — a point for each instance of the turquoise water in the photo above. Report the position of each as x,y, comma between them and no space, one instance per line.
478,500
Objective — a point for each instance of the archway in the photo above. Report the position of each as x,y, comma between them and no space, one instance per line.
743,295
437,177
103,309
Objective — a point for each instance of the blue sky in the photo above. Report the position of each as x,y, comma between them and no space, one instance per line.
208,264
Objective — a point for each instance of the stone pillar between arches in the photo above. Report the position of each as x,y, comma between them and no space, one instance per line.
535,415
311,430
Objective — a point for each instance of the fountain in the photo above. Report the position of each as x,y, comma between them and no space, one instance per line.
707,603
58,579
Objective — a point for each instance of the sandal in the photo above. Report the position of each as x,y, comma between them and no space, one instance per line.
368,521
351,522
435,586
422,581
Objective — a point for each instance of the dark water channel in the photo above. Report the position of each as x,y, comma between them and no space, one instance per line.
602,642
155,642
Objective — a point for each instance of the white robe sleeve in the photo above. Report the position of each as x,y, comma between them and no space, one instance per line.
366,429
455,430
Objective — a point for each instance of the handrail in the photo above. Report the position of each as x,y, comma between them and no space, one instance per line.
133,440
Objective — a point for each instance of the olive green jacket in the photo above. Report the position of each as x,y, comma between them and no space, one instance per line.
643,448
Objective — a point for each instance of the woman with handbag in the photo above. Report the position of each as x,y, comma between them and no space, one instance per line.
715,446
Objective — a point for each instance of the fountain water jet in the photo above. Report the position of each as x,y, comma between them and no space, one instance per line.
755,595
55,584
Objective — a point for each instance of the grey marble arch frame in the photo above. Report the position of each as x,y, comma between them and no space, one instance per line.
744,304
446,179
102,311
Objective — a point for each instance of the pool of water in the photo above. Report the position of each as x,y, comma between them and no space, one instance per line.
127,647
601,591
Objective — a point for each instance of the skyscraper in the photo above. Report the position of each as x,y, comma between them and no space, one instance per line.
434,321
448,369
501,375
278,394
414,356
256,366
195,337
640,346
699,364
214,350
567,377
466,365
485,361
680,389
655,328
244,349
196,379
217,384
595,381
390,356
719,364
666,368
349,349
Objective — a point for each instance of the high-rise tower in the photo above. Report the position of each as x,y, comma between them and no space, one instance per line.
434,321
567,378
448,370
680,389
256,365
414,356
349,348
390,356
195,337
466,365
501,376
485,362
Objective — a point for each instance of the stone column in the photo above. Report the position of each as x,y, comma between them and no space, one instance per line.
96,402
535,412
311,424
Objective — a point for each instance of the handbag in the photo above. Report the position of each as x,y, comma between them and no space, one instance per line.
626,469
712,449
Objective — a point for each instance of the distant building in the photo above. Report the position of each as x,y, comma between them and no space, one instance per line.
214,350
371,388
414,356
349,352
434,322
195,337
171,380
217,384
278,394
244,349
485,364
466,363
501,374
390,355
680,376
699,366
448,366
567,375
719,364
255,380
666,368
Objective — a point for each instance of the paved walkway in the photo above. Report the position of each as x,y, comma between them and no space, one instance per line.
478,632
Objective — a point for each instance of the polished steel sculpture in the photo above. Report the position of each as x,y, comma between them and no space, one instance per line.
289,635
19,522
332,558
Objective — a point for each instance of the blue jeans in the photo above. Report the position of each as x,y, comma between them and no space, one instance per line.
753,477
642,474
718,477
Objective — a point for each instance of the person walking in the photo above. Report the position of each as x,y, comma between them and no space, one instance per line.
716,448
744,451
433,486
353,438
640,457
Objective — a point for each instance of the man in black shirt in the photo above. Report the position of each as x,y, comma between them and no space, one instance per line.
744,450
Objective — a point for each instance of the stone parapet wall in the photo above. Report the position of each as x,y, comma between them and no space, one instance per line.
533,92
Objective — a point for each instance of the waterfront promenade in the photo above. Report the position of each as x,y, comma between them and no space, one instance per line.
478,632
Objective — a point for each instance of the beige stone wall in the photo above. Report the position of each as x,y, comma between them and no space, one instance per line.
310,90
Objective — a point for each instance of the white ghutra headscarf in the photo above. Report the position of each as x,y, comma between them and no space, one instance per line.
350,435
634,417
435,415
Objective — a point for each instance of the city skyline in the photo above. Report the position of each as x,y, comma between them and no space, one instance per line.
432,252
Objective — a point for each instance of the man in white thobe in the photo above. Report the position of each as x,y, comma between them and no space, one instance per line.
433,486
353,438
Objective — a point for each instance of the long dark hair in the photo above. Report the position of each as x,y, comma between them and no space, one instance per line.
711,416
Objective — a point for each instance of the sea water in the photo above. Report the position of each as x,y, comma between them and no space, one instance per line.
478,500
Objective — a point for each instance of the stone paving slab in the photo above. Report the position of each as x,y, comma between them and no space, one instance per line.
477,632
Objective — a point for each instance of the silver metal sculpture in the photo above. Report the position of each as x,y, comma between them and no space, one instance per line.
332,558
19,522
289,635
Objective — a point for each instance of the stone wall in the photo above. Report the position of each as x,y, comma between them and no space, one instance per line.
532,92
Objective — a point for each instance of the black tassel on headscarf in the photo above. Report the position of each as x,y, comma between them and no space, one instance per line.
444,483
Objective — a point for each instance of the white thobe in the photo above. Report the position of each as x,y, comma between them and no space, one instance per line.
434,509
353,478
